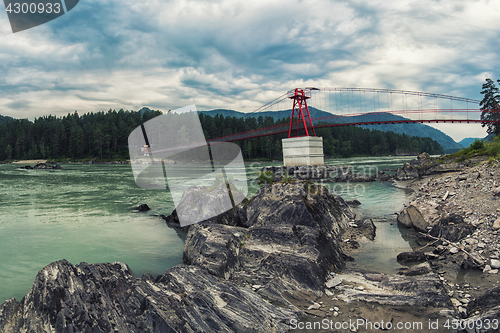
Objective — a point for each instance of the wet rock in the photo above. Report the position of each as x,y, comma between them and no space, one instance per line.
143,208
367,228
415,256
42,166
353,202
208,202
452,228
382,176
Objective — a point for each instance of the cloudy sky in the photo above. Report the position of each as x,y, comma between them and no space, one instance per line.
242,54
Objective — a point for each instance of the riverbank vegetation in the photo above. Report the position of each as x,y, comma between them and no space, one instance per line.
104,136
479,148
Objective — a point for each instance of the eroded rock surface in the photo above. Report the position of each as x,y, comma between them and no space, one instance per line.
107,298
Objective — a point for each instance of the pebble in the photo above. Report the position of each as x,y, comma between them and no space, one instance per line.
315,306
335,314
495,263
454,250
456,302
493,271
496,224
333,282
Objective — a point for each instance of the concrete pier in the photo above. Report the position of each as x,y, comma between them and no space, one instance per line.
304,150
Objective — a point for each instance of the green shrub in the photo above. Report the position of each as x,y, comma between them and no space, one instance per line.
265,177
477,145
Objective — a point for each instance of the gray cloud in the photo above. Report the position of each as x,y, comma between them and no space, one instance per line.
240,55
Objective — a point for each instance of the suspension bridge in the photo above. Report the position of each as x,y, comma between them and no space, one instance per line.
362,106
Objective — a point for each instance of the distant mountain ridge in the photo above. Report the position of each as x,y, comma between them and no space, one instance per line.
411,129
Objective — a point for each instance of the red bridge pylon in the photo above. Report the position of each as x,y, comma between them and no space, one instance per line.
300,111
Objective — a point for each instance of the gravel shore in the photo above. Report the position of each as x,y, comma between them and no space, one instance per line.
468,266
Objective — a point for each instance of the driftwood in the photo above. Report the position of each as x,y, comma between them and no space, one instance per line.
480,261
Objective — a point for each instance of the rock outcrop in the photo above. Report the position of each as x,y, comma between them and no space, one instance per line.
107,298
42,166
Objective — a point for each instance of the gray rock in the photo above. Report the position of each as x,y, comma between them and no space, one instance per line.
143,208
411,217
107,298
333,282
420,269
452,228
404,218
495,263
407,172
415,256
490,299
290,242
367,228
496,224
419,292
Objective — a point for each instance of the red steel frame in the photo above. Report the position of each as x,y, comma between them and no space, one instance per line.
298,110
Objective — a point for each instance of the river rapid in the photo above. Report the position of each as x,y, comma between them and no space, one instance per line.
85,213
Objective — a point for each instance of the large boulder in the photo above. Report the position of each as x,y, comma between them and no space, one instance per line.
288,242
411,217
407,172
452,228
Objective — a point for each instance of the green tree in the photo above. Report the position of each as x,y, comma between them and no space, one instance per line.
490,105
8,152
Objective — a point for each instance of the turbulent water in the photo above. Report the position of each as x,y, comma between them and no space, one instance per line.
84,213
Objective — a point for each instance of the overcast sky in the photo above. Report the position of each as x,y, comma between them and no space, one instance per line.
242,54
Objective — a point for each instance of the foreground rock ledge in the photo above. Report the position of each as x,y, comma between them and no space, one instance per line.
107,298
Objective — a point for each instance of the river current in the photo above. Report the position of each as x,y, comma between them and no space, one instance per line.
85,213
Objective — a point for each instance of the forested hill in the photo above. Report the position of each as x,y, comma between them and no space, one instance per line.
5,119
104,136
412,129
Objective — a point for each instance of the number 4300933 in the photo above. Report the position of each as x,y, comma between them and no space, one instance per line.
32,8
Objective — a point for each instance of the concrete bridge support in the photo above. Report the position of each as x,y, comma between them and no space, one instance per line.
303,150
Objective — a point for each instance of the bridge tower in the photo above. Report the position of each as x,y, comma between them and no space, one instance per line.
305,149
300,111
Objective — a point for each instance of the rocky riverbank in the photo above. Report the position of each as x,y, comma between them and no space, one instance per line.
457,215
420,167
